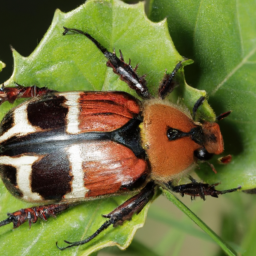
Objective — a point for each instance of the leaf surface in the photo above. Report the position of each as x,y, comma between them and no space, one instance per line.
72,62
220,36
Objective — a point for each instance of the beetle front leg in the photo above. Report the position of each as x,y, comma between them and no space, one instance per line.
10,94
122,213
199,189
124,70
32,214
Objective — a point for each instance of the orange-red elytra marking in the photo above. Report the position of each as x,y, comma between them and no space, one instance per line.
106,111
117,166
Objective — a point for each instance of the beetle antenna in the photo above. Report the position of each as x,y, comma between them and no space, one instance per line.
212,167
225,159
223,115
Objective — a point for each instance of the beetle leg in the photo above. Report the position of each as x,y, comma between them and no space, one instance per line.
122,213
199,189
124,70
10,94
198,103
31,214
168,84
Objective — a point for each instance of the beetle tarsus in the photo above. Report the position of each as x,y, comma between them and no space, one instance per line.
198,103
7,221
122,213
88,239
77,31
124,70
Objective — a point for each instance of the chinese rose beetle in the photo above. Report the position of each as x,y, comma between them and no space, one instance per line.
64,148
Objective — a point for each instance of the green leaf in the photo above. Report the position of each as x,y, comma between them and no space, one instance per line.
2,65
72,62
226,248
220,37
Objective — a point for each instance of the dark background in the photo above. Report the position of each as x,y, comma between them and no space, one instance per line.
23,24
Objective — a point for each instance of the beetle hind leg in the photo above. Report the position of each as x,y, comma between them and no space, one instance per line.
122,213
32,214
122,69
10,94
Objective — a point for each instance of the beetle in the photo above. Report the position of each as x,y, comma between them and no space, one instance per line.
60,149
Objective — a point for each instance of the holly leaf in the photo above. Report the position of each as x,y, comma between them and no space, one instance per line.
72,62
220,37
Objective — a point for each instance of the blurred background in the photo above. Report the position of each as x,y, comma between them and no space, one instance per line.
167,231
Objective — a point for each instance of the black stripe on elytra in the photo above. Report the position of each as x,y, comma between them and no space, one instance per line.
9,174
50,176
46,142
48,112
51,141
7,123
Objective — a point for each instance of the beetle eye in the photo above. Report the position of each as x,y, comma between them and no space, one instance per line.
202,154
173,134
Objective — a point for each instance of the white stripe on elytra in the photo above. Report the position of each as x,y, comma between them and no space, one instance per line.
78,190
73,111
23,165
21,124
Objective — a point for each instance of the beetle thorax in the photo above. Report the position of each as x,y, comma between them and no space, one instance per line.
168,159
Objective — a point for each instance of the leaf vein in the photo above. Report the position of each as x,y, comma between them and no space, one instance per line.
95,212
26,252
233,71
197,15
239,29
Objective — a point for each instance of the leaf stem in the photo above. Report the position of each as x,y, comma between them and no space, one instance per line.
226,248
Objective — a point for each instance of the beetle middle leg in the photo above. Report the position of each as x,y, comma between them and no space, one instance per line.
122,213
124,70
168,84
10,94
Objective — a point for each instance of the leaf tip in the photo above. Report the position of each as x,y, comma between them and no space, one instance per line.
2,65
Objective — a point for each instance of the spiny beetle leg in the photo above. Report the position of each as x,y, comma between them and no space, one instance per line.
199,189
168,84
122,213
32,214
10,94
124,70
